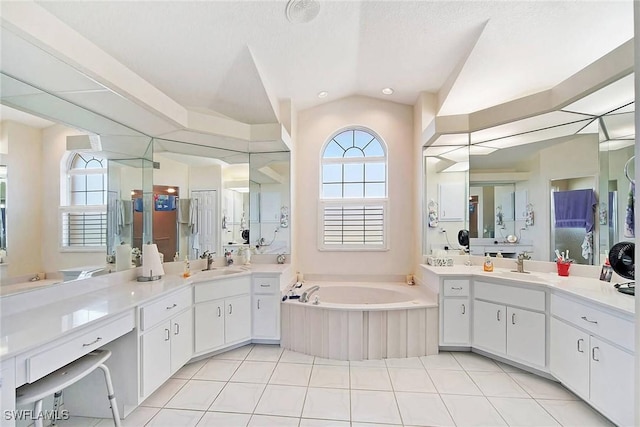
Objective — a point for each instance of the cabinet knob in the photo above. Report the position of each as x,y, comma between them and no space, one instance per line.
177,329
230,309
593,353
258,304
498,315
168,332
580,350
92,342
172,306
587,320
219,312
464,309
456,288
513,319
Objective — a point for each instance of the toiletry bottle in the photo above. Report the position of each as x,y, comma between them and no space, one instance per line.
488,264
187,268
606,272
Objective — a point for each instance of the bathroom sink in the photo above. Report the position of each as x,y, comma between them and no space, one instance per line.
208,274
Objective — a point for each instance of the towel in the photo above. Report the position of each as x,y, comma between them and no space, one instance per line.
184,211
194,207
575,208
629,229
587,246
119,214
127,212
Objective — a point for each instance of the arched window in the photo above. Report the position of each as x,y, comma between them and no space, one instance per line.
353,191
84,216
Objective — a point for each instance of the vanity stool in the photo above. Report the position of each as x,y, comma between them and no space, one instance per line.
58,380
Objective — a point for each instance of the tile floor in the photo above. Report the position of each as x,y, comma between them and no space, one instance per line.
261,385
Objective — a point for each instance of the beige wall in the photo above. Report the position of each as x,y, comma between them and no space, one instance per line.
394,123
24,198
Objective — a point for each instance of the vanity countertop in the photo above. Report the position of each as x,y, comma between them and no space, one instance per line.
22,330
587,288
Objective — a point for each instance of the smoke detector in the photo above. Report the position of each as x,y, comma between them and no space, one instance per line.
302,11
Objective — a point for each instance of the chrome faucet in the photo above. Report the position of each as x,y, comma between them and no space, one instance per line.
307,294
209,256
520,261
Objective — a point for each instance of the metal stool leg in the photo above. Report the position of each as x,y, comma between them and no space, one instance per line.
37,412
57,397
112,397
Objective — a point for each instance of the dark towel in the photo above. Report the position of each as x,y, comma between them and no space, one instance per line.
629,228
575,209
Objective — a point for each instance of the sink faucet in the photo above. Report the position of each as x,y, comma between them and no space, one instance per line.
520,261
209,256
307,294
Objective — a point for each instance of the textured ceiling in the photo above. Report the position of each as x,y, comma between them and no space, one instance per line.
227,56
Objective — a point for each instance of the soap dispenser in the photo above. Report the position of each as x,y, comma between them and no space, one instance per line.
187,268
488,264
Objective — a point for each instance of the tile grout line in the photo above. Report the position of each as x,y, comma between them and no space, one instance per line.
393,390
438,392
253,412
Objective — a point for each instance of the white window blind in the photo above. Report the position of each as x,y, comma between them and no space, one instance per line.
347,225
83,227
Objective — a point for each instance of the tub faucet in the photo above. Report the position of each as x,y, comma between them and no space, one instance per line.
307,294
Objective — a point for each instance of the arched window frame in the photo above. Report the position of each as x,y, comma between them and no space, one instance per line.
353,215
83,210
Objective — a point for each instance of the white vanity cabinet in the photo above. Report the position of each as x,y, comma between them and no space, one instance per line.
222,313
7,391
510,321
166,341
591,352
266,308
456,312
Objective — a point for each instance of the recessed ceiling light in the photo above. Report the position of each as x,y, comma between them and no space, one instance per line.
387,91
302,11
171,190
323,94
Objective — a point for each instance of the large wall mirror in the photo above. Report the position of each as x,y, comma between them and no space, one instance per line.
86,185
523,175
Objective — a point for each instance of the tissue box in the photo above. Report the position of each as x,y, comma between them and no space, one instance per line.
440,261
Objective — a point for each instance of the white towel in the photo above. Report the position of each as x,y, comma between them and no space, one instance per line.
194,207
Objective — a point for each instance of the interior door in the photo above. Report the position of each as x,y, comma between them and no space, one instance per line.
207,214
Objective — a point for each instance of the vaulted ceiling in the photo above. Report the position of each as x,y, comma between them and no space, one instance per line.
236,58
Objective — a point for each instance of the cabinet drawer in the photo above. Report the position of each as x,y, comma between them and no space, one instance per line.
455,287
605,325
222,288
164,308
266,285
49,360
526,298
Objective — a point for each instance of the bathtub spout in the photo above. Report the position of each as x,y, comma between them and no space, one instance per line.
307,294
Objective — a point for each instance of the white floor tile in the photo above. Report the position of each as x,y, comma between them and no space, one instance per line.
454,382
196,395
327,403
497,384
80,422
443,360
475,362
139,417
472,411
291,374
189,370
175,417
239,353
238,397
411,380
270,421
374,407
282,400
374,425
330,376
574,413
309,422
423,409
289,356
217,370
407,362
370,378
542,388
254,372
164,393
373,363
265,353
322,361
522,412
226,419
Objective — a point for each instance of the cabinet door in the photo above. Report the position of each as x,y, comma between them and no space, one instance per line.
156,357
237,325
569,356
209,325
181,339
265,316
612,382
526,336
455,321
489,326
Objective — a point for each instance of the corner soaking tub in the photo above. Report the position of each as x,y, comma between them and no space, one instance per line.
356,321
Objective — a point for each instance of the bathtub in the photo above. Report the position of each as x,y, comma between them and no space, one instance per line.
359,321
